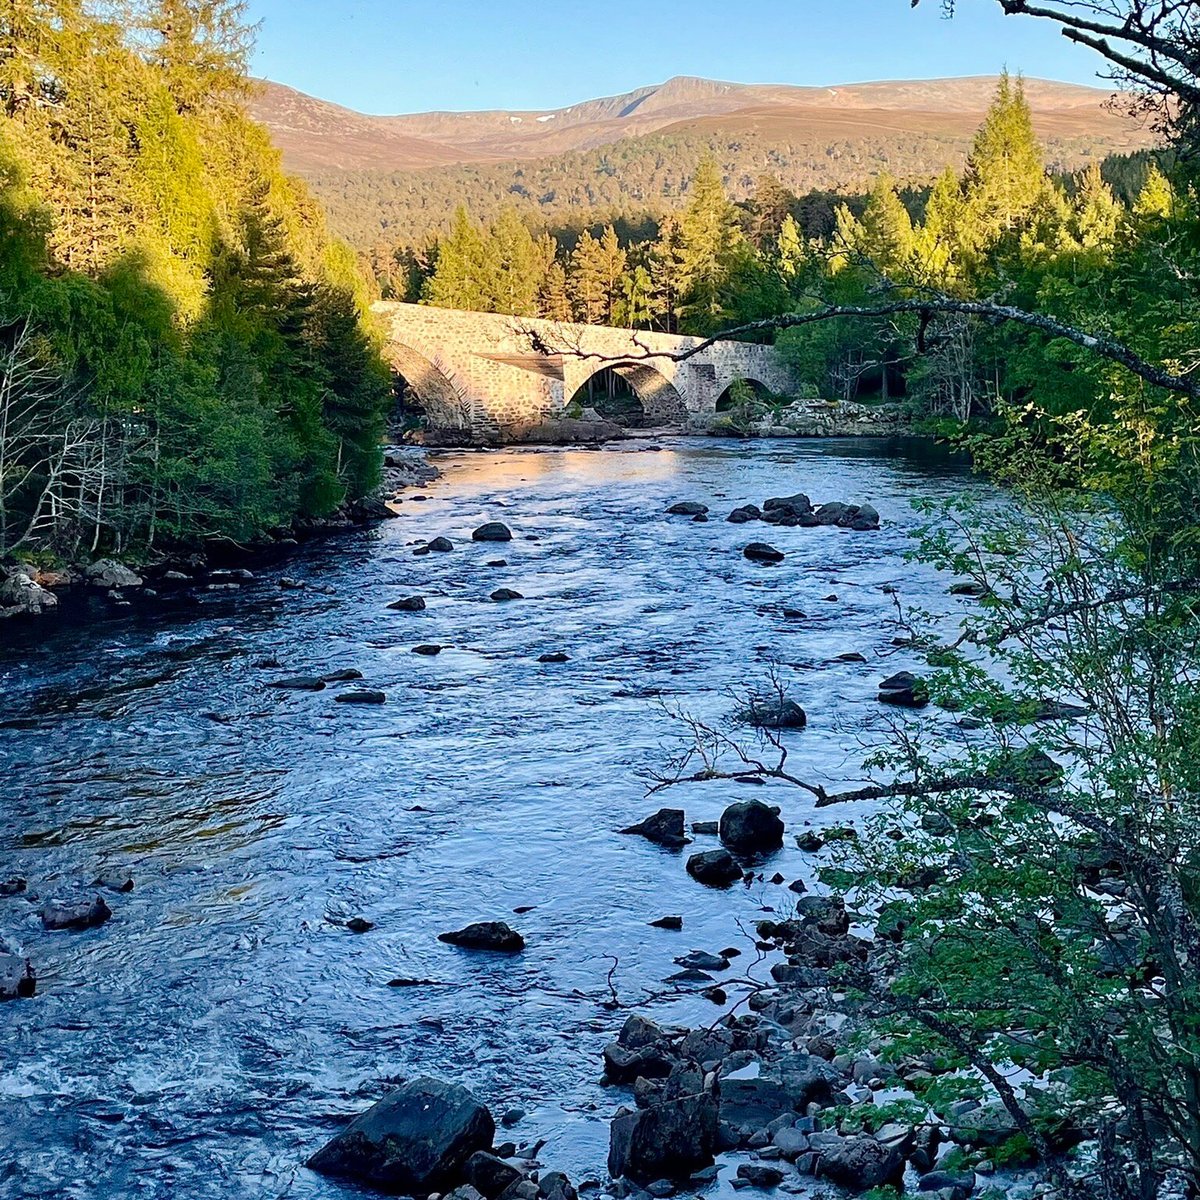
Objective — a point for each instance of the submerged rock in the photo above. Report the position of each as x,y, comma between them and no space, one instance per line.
555,656
346,675
415,1141
750,827
688,508
408,604
75,914
362,696
486,935
492,531
298,683
762,552
664,827
428,649
502,594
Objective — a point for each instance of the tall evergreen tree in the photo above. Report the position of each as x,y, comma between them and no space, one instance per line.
708,236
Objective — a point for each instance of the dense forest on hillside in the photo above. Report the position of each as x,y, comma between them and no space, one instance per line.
1004,225
181,340
648,175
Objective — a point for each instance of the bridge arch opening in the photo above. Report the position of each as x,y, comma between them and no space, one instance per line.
631,394
425,390
743,392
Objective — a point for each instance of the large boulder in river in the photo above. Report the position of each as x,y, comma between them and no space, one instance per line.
415,1141
716,868
750,827
664,1141
486,935
773,712
21,596
664,827
107,573
905,690
860,1163
84,913
492,531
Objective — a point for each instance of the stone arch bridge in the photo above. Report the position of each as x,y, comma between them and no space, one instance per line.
489,373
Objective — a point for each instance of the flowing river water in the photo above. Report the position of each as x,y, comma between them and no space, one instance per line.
225,1022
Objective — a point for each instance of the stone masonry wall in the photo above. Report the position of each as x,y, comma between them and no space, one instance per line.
489,370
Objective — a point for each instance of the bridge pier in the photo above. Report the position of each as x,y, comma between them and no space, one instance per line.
494,375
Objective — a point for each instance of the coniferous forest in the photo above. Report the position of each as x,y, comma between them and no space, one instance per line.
354,879
184,351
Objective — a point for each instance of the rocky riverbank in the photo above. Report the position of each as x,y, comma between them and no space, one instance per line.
32,589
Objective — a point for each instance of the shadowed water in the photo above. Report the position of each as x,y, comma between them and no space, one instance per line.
224,1023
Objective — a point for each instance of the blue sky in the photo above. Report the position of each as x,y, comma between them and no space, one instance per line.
411,55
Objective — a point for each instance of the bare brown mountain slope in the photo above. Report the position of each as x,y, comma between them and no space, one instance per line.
317,137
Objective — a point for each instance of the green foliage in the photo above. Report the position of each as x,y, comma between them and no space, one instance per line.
183,342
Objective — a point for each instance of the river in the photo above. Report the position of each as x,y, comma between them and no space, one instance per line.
225,1022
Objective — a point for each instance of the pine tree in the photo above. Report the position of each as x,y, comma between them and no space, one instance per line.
1006,174
200,48
614,260
1097,215
708,234
589,280
635,308
1157,197
886,238
770,208
790,252
514,267
458,279
554,304
940,239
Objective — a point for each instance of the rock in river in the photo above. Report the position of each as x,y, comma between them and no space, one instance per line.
502,594
492,531
773,713
485,935
664,827
299,683
362,696
107,573
75,914
429,649
16,975
417,1140
903,689
22,596
409,604
860,1163
762,552
688,508
441,544
664,1141
717,868
750,827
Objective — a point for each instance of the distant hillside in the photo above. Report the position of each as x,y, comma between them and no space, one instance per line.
398,178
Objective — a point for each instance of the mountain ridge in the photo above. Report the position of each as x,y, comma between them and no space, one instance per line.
318,136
